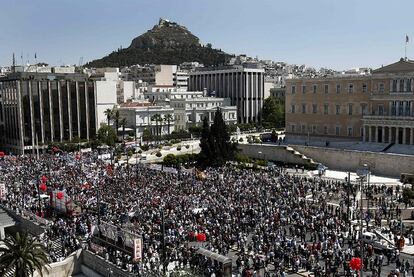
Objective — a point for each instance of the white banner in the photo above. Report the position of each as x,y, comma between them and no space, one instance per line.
137,249
3,191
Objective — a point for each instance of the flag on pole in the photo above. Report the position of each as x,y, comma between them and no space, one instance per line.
407,39
35,55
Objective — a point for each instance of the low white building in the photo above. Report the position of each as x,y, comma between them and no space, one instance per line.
139,116
192,111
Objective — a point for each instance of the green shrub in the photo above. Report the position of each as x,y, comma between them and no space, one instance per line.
179,148
241,139
158,154
187,146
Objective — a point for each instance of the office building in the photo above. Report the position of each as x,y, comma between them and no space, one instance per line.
40,108
244,86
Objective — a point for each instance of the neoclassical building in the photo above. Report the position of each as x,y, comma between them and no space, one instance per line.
372,108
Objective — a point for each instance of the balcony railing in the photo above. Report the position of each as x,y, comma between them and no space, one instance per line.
388,117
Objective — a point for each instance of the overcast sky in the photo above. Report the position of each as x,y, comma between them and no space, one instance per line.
321,33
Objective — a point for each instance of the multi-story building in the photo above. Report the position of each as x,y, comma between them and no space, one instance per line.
40,108
376,107
244,86
111,90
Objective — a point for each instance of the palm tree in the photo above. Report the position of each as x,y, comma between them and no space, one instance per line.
23,255
168,117
108,113
123,123
116,118
157,118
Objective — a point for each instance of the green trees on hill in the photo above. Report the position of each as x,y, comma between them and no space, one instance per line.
160,55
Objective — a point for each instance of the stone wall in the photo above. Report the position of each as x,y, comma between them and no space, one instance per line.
67,267
100,266
277,153
383,164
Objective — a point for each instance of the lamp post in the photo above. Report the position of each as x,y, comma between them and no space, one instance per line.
363,173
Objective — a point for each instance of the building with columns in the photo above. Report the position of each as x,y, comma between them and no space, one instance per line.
244,86
369,108
40,108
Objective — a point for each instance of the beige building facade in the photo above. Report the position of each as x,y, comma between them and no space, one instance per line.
370,108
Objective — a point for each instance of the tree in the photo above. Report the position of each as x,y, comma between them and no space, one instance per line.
146,135
107,135
123,124
157,118
215,144
168,118
273,113
22,254
108,113
206,151
224,150
117,118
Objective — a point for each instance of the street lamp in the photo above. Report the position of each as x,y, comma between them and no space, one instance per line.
362,173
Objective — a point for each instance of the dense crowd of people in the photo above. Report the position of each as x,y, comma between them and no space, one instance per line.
268,220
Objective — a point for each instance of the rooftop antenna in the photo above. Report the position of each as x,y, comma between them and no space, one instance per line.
14,63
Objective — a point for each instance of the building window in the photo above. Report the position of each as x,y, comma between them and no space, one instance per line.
326,88
394,108
325,108
407,108
303,129
364,109
293,89
401,108
314,88
401,85
303,108
314,108
408,85
350,132
351,88
293,128
325,130
394,85
338,88
381,88
337,131
380,109
303,89
293,108
364,87
338,109
350,109
314,129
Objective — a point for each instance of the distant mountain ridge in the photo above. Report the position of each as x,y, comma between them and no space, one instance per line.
166,43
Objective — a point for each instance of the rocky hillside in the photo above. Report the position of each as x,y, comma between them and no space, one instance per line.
166,43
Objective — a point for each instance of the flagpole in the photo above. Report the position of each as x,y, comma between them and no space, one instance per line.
405,49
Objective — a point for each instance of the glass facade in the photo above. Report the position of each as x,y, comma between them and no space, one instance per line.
49,110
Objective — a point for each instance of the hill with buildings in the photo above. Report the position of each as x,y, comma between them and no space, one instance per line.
166,43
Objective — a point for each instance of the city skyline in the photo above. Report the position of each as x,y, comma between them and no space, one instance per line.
333,34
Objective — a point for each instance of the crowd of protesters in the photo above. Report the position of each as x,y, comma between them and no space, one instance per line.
272,222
